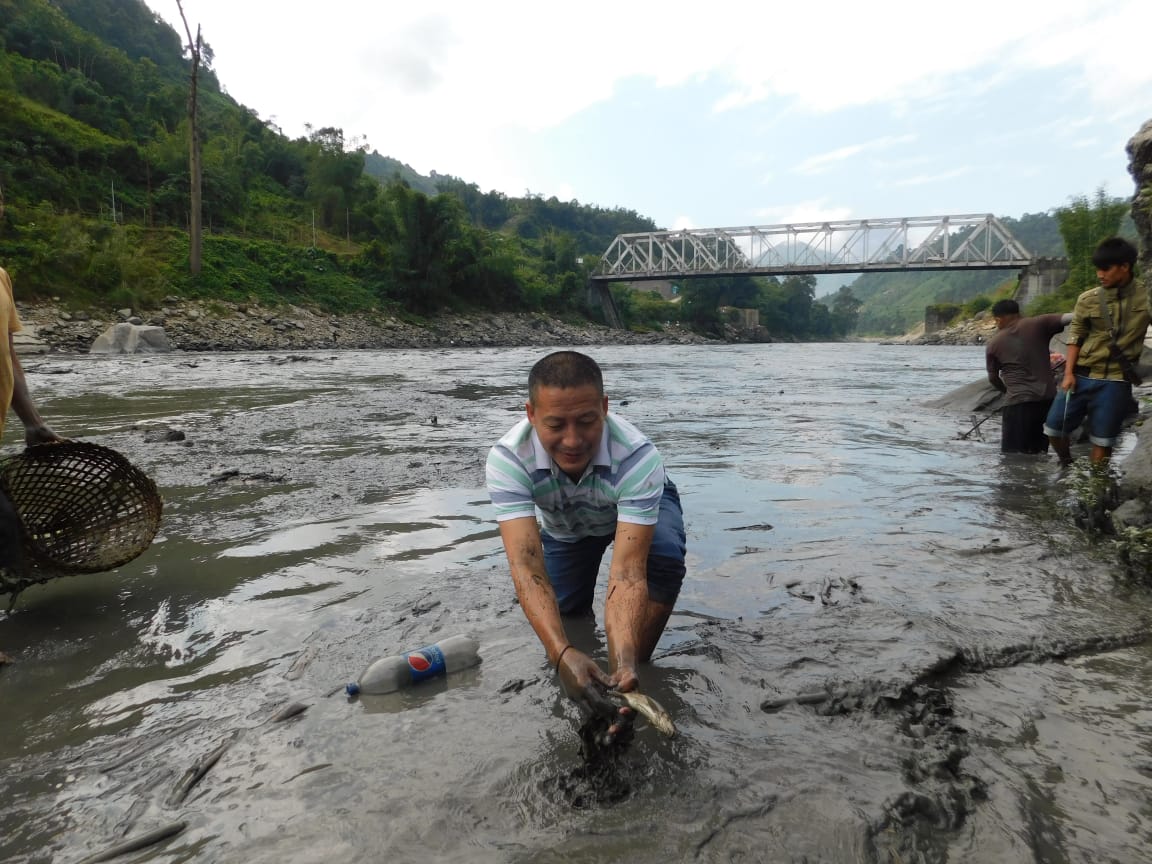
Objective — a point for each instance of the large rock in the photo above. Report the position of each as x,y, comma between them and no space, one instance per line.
131,339
1136,469
977,396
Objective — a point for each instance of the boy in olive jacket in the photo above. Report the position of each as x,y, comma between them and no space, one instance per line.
1105,340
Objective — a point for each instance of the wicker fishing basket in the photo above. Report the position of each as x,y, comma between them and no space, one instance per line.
83,508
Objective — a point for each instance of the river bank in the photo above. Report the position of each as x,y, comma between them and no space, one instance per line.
213,325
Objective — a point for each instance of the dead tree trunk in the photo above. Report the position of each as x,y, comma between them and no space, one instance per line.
195,238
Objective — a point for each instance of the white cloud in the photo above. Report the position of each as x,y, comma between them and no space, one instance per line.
803,212
468,65
941,177
468,89
822,162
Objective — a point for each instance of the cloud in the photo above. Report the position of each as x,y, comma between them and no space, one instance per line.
803,212
472,89
534,65
941,177
820,163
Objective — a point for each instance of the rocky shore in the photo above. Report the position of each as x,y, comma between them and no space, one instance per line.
212,325
974,331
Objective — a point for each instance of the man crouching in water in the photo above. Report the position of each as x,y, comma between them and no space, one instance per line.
593,479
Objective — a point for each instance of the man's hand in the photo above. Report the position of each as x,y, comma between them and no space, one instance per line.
587,685
40,433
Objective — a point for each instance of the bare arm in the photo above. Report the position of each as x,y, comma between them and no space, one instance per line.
526,560
992,364
583,680
36,431
627,603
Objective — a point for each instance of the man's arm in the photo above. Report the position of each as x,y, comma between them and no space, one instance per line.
1077,332
992,363
1072,355
583,679
526,560
36,431
627,605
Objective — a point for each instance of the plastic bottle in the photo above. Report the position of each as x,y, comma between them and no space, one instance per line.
404,670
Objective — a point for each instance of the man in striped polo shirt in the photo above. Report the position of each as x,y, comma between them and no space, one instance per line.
591,479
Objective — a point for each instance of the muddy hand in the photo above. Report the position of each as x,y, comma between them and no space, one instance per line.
588,686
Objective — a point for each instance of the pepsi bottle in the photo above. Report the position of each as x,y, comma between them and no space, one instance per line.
404,670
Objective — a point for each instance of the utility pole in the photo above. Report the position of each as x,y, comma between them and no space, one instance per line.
195,239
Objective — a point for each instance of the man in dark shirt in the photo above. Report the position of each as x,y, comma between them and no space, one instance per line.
1019,365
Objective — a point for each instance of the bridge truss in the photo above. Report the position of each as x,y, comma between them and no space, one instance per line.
967,242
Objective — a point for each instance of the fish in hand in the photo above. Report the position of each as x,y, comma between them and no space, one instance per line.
648,708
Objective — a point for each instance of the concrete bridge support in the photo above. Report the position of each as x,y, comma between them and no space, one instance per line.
1043,276
599,292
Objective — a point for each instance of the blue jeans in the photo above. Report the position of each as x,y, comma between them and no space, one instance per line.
1104,403
573,567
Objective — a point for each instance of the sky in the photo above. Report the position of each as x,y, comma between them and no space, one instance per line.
701,116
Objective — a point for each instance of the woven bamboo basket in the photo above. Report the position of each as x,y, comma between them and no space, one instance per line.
83,509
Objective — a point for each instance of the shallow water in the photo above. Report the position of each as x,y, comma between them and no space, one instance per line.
840,539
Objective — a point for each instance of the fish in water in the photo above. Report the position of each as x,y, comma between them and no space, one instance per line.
648,708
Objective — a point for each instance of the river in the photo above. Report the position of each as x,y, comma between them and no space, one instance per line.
988,697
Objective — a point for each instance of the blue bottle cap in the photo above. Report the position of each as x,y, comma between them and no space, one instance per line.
352,689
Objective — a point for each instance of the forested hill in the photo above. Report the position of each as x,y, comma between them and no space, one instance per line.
95,188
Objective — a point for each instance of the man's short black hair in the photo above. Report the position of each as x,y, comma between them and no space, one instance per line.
1005,307
565,369
1113,252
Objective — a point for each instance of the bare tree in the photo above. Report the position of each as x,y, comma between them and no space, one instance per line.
195,239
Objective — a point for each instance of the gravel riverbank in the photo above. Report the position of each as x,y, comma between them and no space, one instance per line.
219,326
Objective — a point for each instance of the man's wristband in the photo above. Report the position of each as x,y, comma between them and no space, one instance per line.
561,657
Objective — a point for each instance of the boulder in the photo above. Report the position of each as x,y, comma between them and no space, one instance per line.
977,396
131,339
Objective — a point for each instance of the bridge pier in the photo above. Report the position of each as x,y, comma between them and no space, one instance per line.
599,292
1042,276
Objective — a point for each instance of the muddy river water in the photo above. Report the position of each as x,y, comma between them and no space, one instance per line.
975,678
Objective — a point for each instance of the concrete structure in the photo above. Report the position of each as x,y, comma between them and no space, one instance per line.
1042,276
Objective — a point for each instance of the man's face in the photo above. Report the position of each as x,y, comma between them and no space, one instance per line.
1114,276
570,423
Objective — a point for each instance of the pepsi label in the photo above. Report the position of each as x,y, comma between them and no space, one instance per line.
427,663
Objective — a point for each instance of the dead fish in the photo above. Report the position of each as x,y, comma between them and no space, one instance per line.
648,708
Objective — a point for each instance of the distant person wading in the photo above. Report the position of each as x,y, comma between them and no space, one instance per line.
1019,366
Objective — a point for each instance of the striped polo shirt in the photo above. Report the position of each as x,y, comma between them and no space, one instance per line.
623,483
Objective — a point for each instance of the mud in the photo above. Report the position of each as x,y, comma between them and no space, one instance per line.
972,672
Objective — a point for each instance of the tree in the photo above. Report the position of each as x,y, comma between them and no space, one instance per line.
195,240
422,238
1083,224
845,311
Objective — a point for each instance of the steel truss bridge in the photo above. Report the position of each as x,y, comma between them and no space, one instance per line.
971,242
